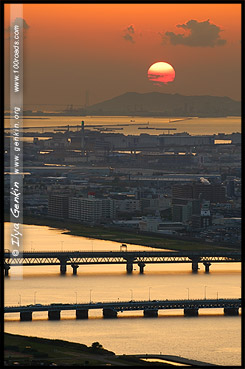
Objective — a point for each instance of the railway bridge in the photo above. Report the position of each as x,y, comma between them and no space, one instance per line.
129,258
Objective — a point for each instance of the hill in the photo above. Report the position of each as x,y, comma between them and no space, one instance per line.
161,104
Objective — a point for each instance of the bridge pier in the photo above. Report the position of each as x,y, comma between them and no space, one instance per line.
150,313
74,267
195,266
6,270
26,316
231,311
191,312
63,267
129,267
141,265
207,265
109,313
82,314
54,315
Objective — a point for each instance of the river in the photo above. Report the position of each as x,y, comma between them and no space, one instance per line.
210,337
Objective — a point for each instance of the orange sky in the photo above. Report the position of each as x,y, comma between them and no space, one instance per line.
70,48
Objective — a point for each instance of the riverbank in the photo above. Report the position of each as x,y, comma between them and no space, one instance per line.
121,236
34,351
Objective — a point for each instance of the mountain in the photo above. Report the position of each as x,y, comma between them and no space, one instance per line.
161,104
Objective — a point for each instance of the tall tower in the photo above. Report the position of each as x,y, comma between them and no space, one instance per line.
82,136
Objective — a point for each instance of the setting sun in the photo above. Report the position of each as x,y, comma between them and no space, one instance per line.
161,72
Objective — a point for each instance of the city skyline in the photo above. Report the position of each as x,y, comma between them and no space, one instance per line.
87,53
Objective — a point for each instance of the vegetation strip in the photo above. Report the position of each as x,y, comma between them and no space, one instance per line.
162,242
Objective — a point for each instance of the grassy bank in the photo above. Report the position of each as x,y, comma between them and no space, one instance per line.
163,242
35,351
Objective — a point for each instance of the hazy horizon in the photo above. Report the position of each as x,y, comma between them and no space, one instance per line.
46,107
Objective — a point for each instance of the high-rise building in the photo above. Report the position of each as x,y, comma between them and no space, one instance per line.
204,219
74,211
215,193
58,206
182,191
184,208
91,209
181,213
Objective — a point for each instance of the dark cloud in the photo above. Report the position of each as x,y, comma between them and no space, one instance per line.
128,34
130,29
155,76
128,37
199,34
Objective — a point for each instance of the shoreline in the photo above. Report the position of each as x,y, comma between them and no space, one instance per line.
32,350
121,236
28,350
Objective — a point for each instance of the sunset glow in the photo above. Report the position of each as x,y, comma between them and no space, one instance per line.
96,41
161,72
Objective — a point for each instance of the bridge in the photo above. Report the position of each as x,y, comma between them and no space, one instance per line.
110,309
141,258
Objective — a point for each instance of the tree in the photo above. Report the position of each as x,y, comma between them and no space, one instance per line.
96,345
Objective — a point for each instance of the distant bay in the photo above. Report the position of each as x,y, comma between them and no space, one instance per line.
130,125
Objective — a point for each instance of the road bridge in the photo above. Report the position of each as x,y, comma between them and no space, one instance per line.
129,258
111,309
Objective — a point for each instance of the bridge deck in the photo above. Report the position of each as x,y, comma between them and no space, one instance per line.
131,305
117,257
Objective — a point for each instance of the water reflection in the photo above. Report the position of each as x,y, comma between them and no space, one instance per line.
170,333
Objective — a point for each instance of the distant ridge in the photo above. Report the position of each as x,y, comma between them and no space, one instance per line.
153,104
162,104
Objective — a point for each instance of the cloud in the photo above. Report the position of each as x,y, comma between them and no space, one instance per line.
204,34
155,76
128,37
129,33
130,29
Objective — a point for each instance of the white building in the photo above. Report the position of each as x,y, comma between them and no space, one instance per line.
91,209
149,224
